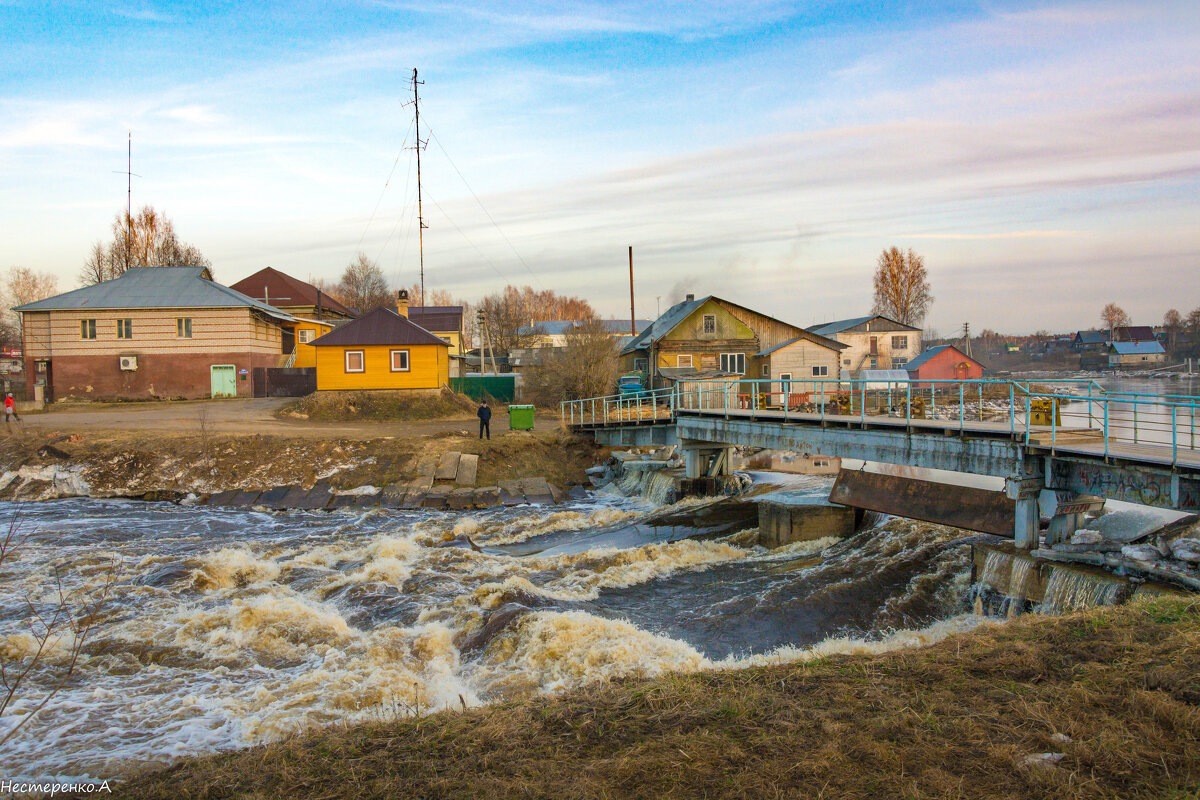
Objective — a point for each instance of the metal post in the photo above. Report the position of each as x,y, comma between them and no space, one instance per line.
1135,405
1012,410
908,406
822,402
1027,425
1174,439
962,408
1106,430
980,387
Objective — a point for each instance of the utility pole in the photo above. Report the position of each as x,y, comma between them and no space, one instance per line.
421,226
967,337
632,316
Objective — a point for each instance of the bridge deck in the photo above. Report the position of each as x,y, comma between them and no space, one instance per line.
1067,441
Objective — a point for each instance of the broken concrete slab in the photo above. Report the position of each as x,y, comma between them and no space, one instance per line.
537,491
461,499
436,497
426,467
487,497
447,468
341,501
317,497
578,493
245,499
511,493
393,494
272,498
223,498
468,468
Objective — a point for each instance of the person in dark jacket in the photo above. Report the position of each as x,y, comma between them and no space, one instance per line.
485,419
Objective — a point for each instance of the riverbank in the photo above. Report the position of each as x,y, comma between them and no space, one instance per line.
1113,690
49,465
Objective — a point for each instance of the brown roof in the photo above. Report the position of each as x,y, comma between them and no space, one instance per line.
282,290
437,318
381,326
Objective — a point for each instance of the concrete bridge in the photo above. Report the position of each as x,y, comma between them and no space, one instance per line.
1116,445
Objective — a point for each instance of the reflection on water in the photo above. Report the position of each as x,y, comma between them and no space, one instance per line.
227,628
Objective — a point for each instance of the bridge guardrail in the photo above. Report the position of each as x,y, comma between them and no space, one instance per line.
1043,413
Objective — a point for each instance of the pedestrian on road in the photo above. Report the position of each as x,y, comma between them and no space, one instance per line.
10,409
485,420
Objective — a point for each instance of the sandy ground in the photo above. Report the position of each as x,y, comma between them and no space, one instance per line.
237,416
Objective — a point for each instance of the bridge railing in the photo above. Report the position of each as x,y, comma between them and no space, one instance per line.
1049,412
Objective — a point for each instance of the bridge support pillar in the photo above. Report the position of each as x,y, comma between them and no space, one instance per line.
1025,489
1066,511
707,459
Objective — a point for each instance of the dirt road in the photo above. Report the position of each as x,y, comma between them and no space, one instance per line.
238,416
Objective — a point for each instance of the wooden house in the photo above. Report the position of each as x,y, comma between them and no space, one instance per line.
292,295
304,333
154,332
872,342
1135,354
382,350
944,362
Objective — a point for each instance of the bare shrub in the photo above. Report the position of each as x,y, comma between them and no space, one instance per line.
585,367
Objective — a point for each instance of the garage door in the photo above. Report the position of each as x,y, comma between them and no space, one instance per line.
224,380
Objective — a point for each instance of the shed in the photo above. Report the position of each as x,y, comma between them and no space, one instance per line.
945,363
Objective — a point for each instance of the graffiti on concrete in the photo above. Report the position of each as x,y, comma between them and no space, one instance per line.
1131,485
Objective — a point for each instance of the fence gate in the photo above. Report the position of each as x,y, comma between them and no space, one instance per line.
289,382
258,382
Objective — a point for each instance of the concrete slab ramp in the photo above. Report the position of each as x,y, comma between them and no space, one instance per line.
941,503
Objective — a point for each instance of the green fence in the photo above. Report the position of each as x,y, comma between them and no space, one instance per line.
498,387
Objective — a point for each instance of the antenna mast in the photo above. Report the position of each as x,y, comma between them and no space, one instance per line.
130,174
421,226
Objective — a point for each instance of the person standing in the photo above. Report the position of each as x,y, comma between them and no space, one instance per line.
485,420
10,409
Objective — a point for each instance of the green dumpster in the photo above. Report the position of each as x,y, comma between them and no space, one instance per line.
520,418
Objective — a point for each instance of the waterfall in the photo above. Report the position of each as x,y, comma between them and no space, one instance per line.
1073,589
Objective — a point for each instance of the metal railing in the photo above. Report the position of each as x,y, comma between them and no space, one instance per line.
1045,413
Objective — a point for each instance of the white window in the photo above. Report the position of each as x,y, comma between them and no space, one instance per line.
766,370
733,362
355,362
821,371
640,364
785,381
399,361
899,342
183,327
898,363
710,323
683,361
305,335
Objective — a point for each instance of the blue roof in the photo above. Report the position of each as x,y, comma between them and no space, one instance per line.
1092,337
1137,348
563,327
830,328
154,287
831,344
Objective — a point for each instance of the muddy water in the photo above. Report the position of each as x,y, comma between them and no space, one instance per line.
228,628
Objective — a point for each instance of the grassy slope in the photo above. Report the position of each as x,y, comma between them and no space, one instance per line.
951,720
393,405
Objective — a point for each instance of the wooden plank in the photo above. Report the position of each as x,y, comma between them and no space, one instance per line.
447,468
468,468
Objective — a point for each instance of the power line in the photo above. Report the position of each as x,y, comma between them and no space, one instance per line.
395,163
441,147
468,240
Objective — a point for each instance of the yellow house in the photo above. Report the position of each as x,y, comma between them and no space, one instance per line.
381,350
304,333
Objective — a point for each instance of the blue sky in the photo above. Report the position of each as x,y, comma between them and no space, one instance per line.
1045,158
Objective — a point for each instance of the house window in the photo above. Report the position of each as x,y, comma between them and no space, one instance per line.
766,370
87,329
710,323
683,361
124,329
183,327
733,362
305,335
399,361
355,361
821,371
640,364
899,342
898,363
846,362
874,363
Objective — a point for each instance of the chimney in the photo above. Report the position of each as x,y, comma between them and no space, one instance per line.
691,298
402,303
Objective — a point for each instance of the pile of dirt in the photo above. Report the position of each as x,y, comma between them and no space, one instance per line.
396,405
1104,703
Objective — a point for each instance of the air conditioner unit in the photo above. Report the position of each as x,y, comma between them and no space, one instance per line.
129,363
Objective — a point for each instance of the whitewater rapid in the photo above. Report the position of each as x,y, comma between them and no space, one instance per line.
228,628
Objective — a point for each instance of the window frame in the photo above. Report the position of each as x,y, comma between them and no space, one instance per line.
641,365
362,355
730,363
679,360
392,360
300,334
900,342
124,328
183,327
899,362
87,329
705,323
820,370
766,370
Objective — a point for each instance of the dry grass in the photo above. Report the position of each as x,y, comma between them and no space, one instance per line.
396,405
953,720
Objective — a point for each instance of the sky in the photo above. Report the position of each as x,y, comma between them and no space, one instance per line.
1043,158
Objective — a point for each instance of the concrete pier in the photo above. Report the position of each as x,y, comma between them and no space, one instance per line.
784,523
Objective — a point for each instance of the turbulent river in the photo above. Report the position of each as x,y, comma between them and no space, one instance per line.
225,628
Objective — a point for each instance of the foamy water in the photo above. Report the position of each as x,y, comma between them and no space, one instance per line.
228,628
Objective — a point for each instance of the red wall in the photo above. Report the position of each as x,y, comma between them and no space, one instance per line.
943,367
158,376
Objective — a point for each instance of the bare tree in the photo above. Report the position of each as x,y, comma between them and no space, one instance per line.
902,290
22,285
147,239
1172,325
1113,317
514,313
585,367
56,631
363,286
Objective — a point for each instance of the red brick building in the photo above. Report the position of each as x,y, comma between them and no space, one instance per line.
153,333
